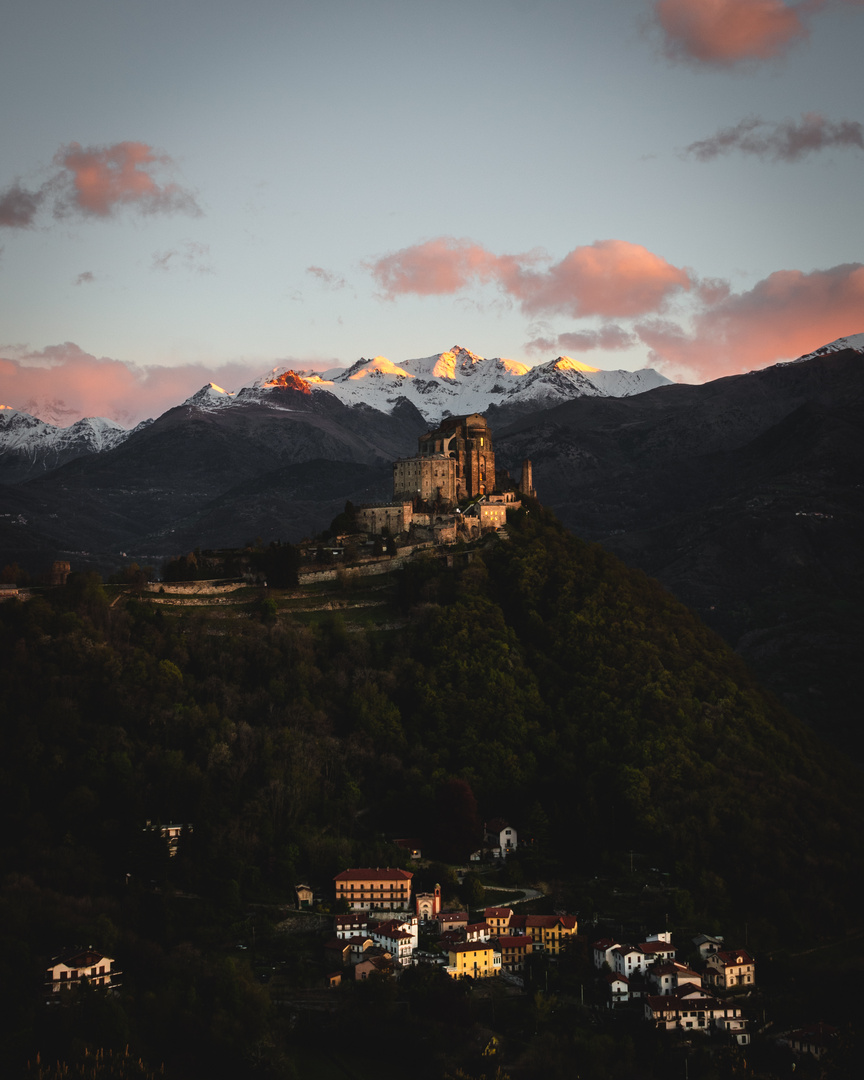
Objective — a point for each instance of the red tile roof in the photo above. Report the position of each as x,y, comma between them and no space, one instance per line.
376,874
729,957
515,941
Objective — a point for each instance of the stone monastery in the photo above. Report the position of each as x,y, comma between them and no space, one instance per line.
454,466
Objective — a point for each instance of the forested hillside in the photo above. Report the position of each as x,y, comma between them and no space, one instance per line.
538,676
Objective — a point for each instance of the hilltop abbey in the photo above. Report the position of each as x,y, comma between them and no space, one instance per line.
454,466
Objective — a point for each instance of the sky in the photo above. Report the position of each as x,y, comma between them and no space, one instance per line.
202,190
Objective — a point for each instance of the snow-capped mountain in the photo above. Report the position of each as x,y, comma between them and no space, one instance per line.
459,381
29,445
855,342
210,396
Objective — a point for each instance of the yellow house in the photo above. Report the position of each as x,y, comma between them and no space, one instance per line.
498,919
479,959
551,932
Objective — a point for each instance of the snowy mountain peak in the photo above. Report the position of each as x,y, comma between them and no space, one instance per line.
854,342
455,382
28,445
453,359
567,363
377,366
278,378
210,396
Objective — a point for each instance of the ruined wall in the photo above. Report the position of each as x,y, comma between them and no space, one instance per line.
395,517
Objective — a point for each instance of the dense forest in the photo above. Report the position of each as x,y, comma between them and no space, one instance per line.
536,679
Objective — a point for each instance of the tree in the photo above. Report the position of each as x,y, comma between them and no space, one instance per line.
457,830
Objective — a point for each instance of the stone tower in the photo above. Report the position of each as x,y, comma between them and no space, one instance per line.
526,483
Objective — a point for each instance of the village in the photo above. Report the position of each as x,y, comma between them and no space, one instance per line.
379,928
380,934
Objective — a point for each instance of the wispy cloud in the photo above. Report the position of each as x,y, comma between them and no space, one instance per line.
609,338
788,141
724,33
98,181
19,207
611,278
785,315
190,255
326,277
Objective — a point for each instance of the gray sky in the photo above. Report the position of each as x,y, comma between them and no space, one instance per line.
204,190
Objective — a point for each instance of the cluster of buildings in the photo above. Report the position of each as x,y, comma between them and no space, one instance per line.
380,932
674,995
449,487
382,929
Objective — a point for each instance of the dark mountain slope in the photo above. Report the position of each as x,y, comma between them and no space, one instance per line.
558,674
294,501
164,477
744,496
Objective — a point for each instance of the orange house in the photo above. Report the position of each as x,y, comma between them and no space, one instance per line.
514,950
381,889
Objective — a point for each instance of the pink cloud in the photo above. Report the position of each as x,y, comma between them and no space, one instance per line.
784,316
612,278
435,268
99,179
725,32
609,278
62,383
96,181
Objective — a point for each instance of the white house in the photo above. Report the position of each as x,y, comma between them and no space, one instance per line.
400,939
628,959
501,838
667,977
603,950
731,969
71,969
692,1010
619,989
353,925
